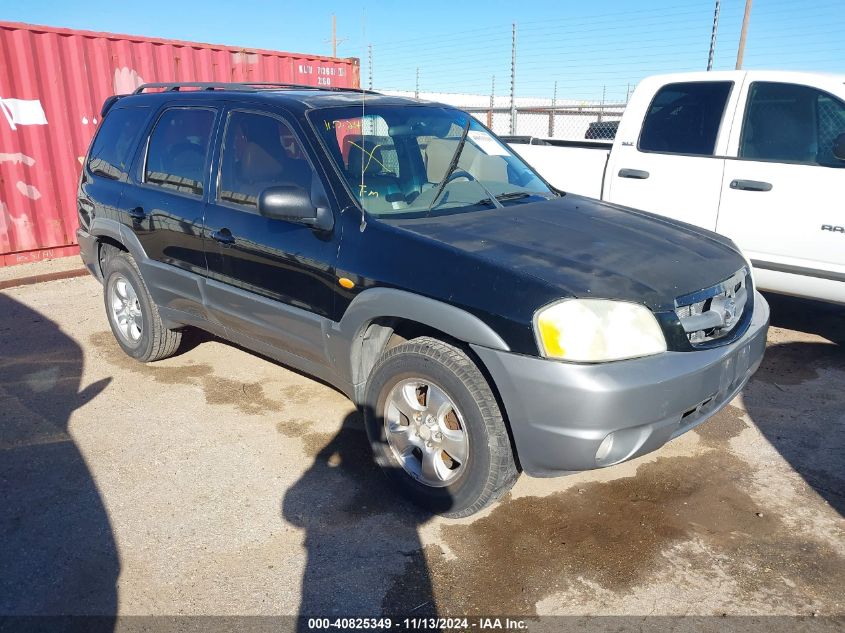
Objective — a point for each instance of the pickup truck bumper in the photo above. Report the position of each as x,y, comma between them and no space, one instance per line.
88,251
560,413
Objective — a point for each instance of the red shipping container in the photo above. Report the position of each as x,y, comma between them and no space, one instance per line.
52,84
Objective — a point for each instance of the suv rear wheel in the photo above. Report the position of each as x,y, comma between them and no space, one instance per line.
436,428
133,316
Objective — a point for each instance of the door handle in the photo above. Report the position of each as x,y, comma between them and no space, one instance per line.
224,236
751,185
137,214
637,174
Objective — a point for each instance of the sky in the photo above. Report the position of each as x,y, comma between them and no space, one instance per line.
589,50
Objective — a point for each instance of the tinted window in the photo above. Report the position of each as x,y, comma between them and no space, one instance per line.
177,149
258,152
111,152
791,123
684,118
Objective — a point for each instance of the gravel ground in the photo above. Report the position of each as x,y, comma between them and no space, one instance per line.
220,483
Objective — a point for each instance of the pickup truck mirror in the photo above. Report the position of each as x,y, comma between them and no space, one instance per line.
293,204
839,147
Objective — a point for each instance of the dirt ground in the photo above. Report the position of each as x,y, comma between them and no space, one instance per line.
218,482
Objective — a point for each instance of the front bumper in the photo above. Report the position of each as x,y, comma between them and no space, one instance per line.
560,412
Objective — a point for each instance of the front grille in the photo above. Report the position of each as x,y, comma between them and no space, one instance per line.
713,313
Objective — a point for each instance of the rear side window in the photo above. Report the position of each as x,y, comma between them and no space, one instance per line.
259,151
684,118
791,123
111,151
177,150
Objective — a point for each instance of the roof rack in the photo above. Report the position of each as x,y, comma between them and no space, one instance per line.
250,86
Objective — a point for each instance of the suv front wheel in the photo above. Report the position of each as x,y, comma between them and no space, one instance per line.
436,428
133,316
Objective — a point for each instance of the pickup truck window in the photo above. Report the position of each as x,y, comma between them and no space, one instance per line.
259,151
109,155
177,149
791,123
684,118
411,161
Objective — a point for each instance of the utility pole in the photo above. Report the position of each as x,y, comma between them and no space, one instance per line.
335,41
370,64
713,37
513,79
552,113
741,52
417,88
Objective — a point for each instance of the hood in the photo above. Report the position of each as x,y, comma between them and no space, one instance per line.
587,248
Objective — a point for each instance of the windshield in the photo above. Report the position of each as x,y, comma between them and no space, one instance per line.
411,161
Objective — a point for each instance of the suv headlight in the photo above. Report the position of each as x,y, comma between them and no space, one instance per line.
596,330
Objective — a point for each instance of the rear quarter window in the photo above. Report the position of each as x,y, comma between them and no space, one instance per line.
111,152
684,118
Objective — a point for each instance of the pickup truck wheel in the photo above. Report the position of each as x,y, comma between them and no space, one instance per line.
436,428
133,317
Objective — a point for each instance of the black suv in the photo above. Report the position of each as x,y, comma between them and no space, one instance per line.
485,323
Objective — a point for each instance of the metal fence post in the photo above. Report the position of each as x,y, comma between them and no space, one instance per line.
601,108
370,64
513,78
713,37
492,103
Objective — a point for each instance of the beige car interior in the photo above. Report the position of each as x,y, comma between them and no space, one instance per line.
380,188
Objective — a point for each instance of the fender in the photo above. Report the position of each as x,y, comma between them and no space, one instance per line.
109,227
169,286
344,338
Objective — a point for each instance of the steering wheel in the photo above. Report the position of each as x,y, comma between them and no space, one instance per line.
458,173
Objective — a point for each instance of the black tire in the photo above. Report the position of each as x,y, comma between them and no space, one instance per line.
489,470
155,341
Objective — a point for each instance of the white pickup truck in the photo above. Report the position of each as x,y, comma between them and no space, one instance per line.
758,156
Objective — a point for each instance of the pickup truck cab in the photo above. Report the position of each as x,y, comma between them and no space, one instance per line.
758,156
485,323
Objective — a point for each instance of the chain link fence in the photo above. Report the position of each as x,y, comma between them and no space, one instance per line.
568,120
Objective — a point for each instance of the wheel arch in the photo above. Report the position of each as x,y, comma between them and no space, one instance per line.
110,231
379,315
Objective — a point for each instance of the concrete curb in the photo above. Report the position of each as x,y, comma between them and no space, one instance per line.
37,279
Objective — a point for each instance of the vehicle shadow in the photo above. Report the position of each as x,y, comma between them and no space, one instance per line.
796,397
346,506
58,556
806,315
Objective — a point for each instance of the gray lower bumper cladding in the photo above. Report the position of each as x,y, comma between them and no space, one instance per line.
561,413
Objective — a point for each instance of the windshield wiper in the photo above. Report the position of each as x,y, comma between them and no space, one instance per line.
452,164
510,195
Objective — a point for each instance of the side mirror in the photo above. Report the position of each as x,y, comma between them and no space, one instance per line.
839,147
293,204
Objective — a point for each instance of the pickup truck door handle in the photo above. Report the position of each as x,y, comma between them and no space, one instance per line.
224,236
637,174
751,185
137,214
